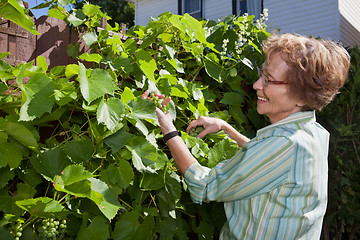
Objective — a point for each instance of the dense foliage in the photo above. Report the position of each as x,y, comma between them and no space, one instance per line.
342,119
120,11
78,142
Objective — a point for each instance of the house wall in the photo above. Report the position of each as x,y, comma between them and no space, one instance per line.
212,9
144,9
350,22
318,18
215,9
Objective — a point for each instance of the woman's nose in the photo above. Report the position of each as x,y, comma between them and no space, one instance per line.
258,84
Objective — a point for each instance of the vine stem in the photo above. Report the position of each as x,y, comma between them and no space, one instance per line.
101,164
126,203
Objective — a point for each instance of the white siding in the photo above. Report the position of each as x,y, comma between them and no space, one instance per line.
350,22
318,18
144,9
215,9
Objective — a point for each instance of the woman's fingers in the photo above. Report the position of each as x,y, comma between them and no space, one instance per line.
145,94
166,101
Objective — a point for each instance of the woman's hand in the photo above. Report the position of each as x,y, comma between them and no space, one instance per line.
165,122
210,125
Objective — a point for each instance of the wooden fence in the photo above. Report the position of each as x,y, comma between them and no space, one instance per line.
55,35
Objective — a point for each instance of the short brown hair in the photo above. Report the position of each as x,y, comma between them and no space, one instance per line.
317,68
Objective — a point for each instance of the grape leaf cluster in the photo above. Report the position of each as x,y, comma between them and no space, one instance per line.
51,228
195,131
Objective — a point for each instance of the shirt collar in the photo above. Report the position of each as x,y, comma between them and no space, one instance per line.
308,116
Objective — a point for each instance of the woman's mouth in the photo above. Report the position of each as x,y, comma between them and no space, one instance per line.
263,99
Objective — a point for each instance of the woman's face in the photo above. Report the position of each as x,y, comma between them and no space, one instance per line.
275,100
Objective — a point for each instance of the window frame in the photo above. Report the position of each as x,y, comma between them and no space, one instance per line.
181,8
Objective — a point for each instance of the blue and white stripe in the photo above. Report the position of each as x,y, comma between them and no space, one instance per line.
275,187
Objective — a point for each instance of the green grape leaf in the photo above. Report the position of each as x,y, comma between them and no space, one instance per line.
76,18
91,57
97,85
145,157
143,108
166,228
106,200
24,191
128,227
80,150
121,175
73,52
20,133
39,92
5,175
146,63
57,12
2,55
214,70
127,95
97,230
110,112
91,10
196,27
123,63
43,207
64,91
41,62
5,234
50,163
10,155
232,98
146,228
72,174
11,10
118,140
3,137
221,151
169,195
90,38
75,180
152,181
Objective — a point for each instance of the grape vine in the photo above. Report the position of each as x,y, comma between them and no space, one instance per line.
80,142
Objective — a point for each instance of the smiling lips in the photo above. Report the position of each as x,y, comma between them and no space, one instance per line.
262,99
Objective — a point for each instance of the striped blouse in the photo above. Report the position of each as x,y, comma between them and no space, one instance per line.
275,187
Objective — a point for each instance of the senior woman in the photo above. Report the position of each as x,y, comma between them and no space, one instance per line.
275,187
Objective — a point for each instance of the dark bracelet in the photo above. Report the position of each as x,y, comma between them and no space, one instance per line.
170,135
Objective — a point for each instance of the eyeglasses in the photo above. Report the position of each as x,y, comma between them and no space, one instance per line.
266,79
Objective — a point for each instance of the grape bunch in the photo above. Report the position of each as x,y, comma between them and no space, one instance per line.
195,131
51,228
16,230
159,99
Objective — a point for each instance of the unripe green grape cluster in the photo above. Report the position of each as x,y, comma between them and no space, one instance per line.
195,131
51,228
157,99
16,230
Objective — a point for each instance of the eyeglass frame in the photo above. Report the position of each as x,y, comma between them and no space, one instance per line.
266,79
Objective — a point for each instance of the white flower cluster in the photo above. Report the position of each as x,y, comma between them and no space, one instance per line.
260,23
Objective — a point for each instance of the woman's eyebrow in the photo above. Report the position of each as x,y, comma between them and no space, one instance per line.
266,71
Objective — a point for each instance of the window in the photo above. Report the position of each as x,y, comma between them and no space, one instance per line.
252,7
192,7
241,7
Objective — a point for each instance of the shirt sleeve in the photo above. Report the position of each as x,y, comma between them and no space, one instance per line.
257,168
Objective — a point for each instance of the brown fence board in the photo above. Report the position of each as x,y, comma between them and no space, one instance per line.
52,42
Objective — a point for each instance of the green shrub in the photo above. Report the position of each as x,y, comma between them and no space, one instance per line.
79,143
